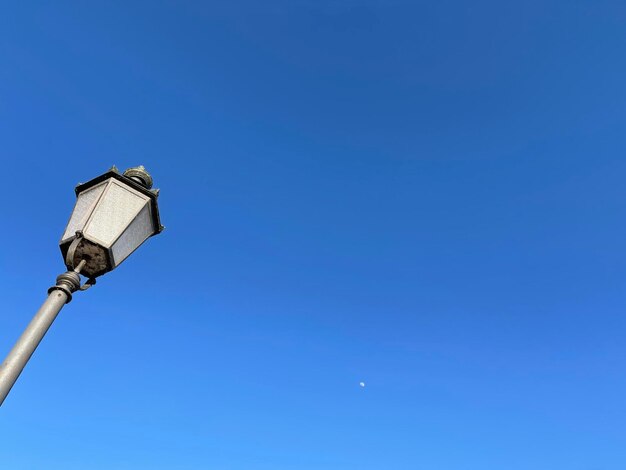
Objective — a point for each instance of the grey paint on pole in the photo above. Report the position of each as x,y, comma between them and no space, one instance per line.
15,362
58,296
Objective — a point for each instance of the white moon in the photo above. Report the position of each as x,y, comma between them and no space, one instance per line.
362,384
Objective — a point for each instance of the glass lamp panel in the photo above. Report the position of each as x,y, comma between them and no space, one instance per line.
114,212
82,209
139,230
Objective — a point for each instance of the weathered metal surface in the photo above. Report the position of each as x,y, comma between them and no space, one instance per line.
140,175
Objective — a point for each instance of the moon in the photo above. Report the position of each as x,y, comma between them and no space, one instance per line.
362,384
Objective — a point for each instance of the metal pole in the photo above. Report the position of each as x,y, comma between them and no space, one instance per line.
58,296
15,362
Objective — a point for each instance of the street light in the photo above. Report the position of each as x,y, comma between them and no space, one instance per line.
113,215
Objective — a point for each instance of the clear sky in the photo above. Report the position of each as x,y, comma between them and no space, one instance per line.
427,197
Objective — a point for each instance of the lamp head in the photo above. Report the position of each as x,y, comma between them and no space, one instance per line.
113,215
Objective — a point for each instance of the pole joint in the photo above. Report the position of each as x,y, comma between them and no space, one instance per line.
69,282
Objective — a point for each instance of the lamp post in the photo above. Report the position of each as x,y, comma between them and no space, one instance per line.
114,214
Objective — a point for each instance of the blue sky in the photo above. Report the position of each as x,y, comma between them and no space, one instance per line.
424,196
